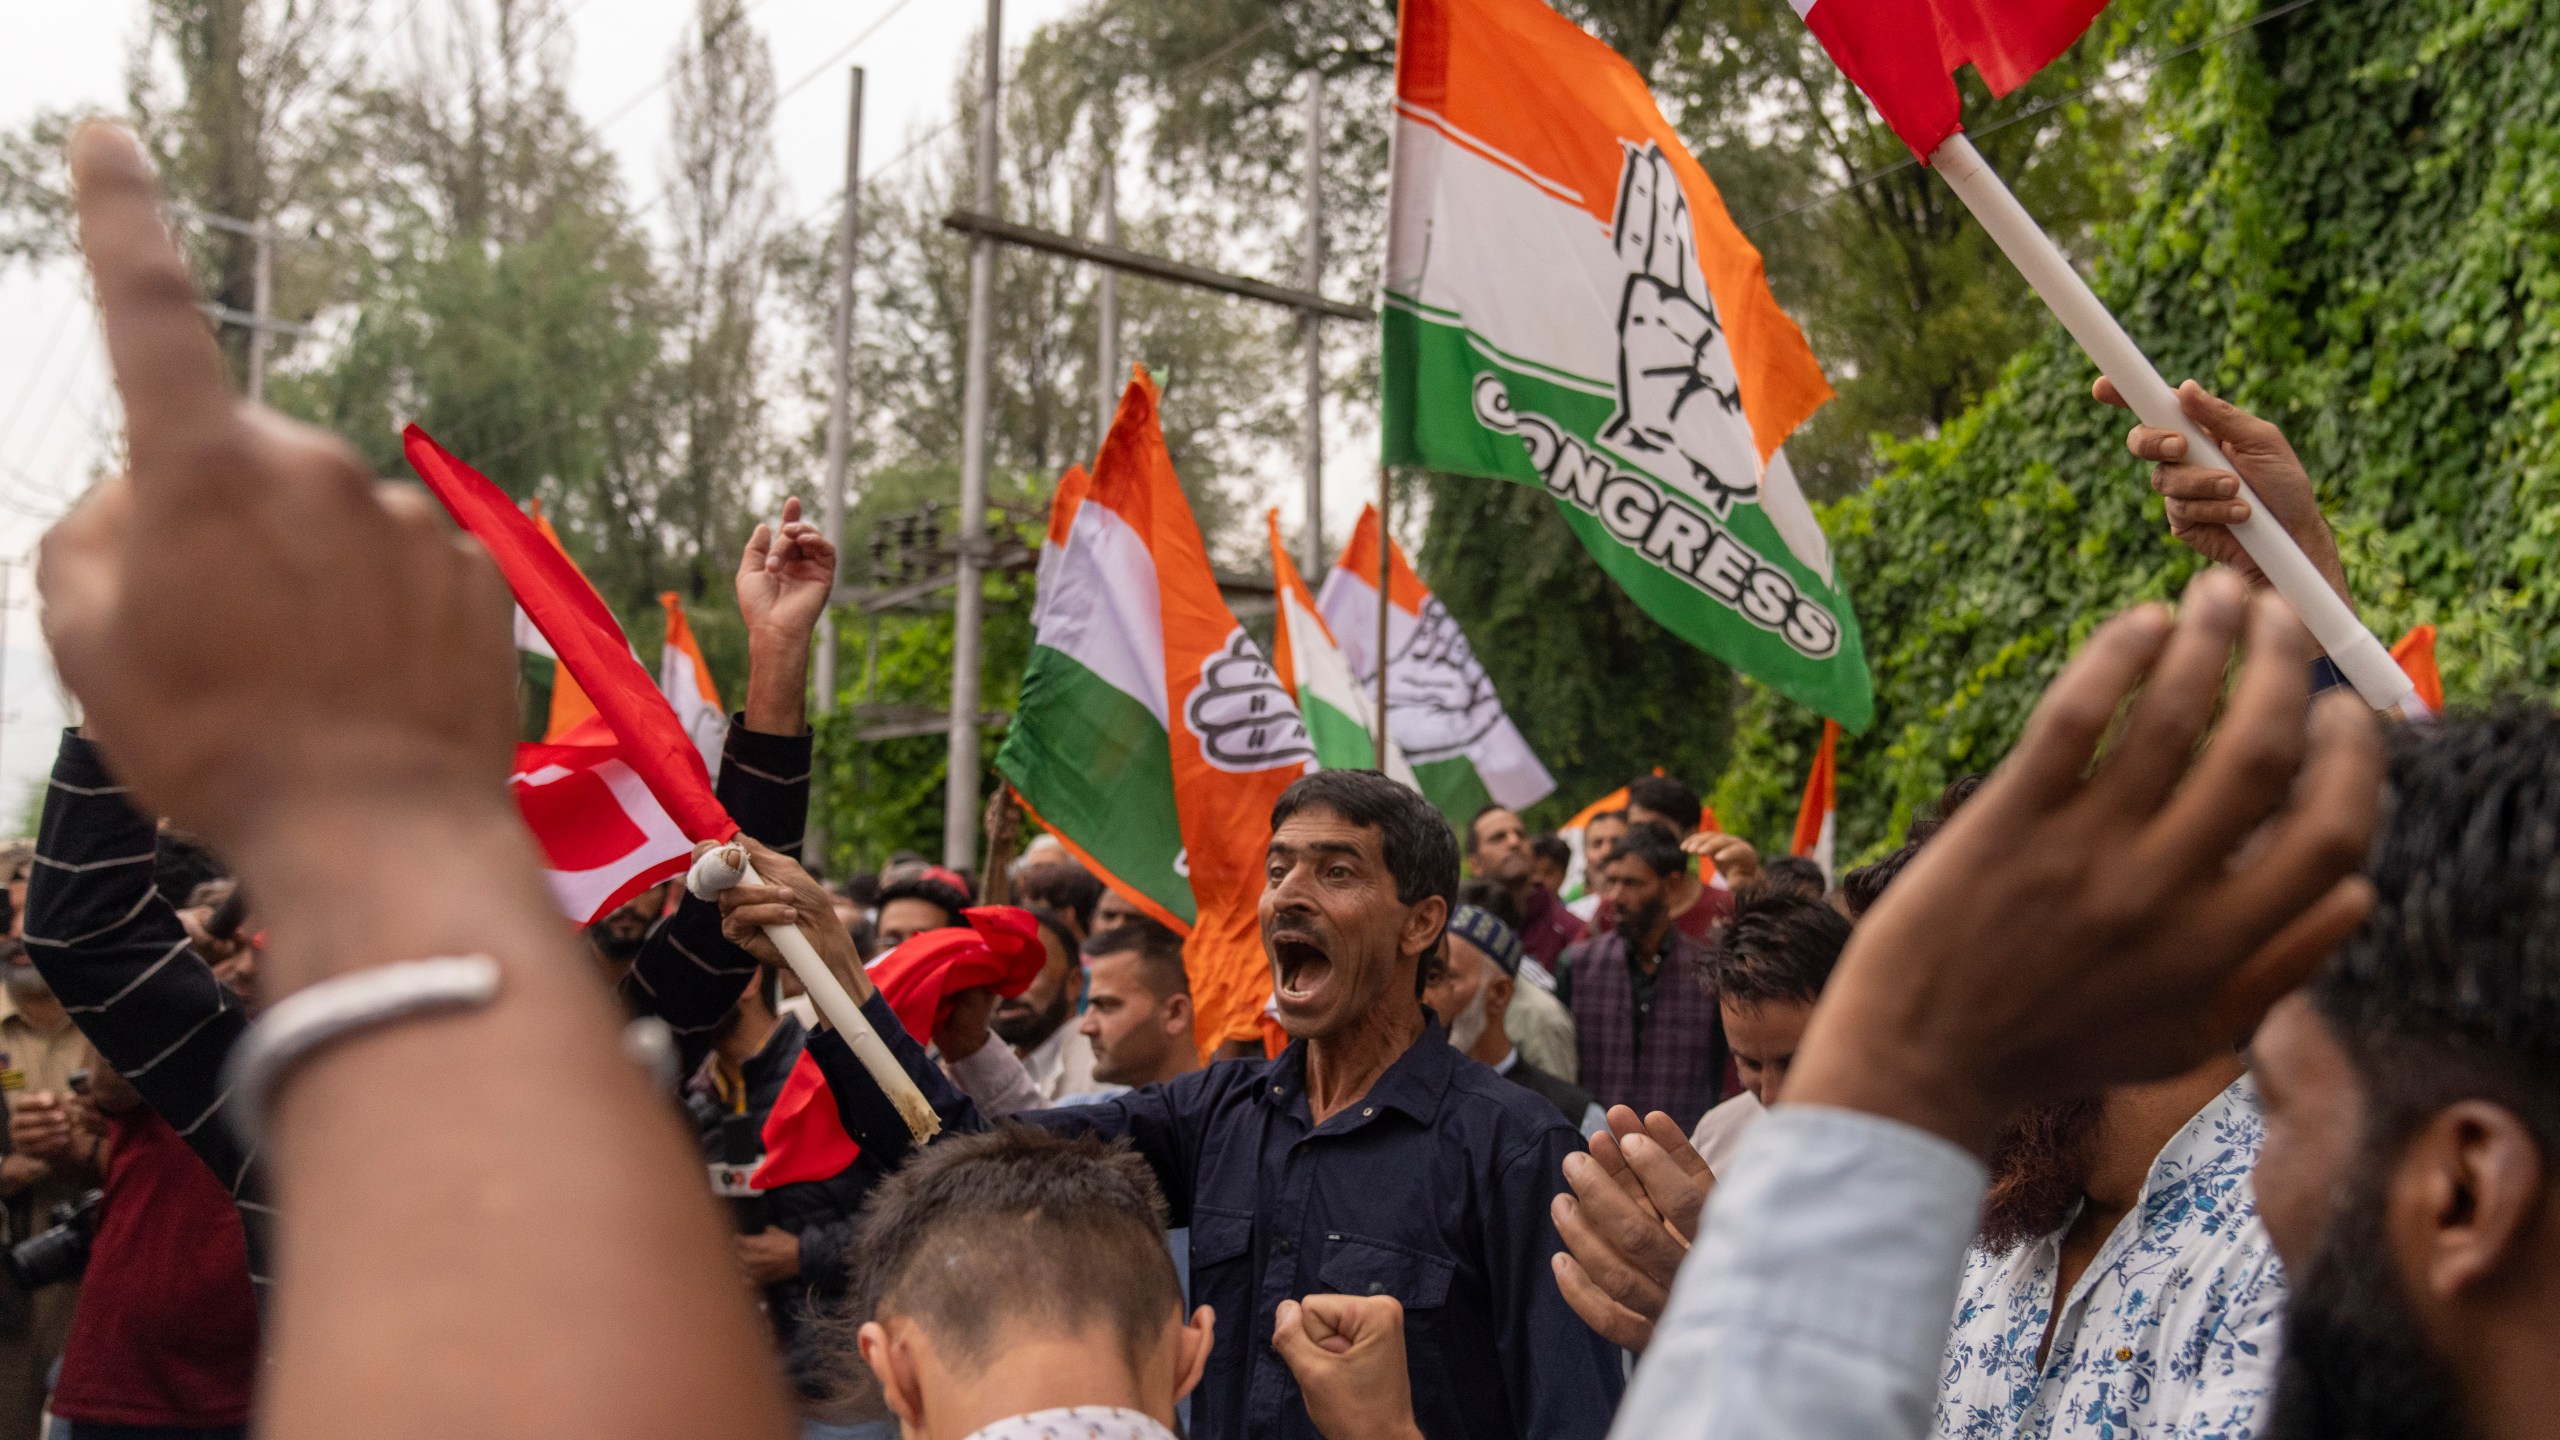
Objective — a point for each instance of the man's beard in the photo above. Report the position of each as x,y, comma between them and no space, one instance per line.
1638,923
1468,1028
2354,1364
1022,1027
2039,1172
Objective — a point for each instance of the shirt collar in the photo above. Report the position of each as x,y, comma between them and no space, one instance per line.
1510,1061
1413,1084
1048,1058
1076,1422
2224,1134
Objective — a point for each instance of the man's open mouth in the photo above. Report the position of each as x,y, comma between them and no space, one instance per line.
1301,968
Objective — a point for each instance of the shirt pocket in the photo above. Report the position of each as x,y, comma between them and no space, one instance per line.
1218,1236
1357,1265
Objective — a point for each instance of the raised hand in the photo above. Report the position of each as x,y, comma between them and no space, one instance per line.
1627,1226
2204,504
2076,927
1679,401
784,577
1732,855
180,596
1347,1352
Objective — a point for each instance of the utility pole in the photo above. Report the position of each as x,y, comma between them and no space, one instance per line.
1310,334
259,320
839,425
960,790
1107,362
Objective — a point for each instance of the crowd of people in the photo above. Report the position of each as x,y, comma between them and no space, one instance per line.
2194,1073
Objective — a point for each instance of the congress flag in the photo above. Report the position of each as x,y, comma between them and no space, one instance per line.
1569,306
1137,664
685,680
1904,53
1817,817
1442,711
1341,717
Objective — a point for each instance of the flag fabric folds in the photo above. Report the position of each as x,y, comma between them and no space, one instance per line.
1340,716
1904,53
997,947
1569,306
1442,712
1817,816
619,808
685,680
1144,698
2416,653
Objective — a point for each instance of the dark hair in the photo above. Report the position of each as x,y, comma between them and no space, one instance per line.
1656,846
1413,837
1056,924
1552,849
1063,886
1478,817
862,889
1159,953
1491,899
1618,816
1862,887
1777,946
1014,1224
1667,798
2451,989
1793,875
932,892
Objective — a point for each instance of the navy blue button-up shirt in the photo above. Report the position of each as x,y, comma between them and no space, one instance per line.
1434,1188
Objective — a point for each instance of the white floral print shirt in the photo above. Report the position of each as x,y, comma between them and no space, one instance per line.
1076,1422
2171,1333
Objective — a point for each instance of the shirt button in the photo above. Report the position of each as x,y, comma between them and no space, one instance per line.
1288,1247
1367,1110
2124,1352
1377,1287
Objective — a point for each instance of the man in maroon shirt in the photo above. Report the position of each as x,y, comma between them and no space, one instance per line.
1695,907
1498,851
164,1345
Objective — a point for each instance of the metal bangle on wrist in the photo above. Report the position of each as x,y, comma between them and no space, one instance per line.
311,1019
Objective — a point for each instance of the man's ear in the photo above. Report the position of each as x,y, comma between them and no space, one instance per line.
1197,1336
1423,925
1497,996
2464,1199
1178,1019
894,1365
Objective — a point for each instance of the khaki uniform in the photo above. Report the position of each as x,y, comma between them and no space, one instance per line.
45,1062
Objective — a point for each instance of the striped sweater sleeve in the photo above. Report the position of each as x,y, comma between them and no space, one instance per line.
687,973
115,954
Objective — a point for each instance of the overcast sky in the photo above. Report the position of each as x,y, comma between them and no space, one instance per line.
55,403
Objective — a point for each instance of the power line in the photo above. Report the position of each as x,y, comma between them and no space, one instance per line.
2039,108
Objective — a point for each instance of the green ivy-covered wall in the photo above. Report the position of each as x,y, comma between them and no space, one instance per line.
2349,223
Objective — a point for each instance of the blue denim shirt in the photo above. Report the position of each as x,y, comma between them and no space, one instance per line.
1435,1189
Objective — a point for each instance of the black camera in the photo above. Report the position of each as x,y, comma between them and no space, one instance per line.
61,1252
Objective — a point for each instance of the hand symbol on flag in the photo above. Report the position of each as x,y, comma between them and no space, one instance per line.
1678,398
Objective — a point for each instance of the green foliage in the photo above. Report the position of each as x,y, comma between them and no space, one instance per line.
2347,224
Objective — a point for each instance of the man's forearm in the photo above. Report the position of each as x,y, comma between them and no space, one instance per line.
777,683
608,1249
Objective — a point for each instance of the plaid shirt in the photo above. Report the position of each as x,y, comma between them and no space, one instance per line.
1668,1054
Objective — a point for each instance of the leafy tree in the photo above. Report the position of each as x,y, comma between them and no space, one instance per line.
2345,224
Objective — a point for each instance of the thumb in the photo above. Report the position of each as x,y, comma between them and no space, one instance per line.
1288,1335
2233,427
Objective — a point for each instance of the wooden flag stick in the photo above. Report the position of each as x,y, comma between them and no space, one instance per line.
722,866
2359,656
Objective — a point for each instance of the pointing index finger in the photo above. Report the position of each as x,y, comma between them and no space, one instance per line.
176,396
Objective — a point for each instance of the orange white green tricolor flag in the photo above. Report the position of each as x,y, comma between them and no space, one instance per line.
1340,716
686,682
1152,737
1817,817
1569,306
1442,711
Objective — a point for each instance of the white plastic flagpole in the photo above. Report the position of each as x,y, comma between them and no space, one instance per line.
2359,656
723,866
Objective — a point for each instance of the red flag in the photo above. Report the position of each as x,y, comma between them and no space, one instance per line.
583,633
2416,653
1000,949
1904,53
604,837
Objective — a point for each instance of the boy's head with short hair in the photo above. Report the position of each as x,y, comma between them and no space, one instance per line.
1016,1271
